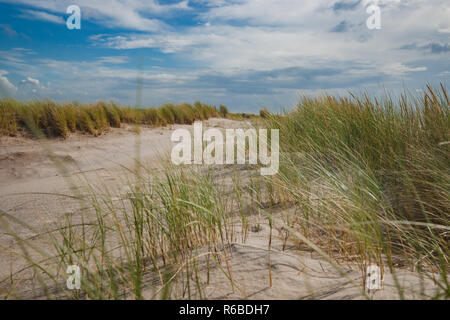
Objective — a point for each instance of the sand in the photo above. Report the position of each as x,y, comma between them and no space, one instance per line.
31,181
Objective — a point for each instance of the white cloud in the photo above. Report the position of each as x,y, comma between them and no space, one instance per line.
5,84
41,15
130,14
10,32
285,33
270,33
30,81
267,12
114,60
399,68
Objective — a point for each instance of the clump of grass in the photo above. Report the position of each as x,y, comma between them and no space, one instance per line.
188,113
163,229
153,117
55,122
168,114
203,111
130,115
85,123
264,113
99,118
58,120
371,178
112,114
223,110
43,115
8,120
71,117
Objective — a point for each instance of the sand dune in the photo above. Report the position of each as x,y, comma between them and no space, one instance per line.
31,179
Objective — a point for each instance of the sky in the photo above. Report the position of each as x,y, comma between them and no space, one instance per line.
245,54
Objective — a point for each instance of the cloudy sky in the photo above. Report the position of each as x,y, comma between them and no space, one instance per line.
241,53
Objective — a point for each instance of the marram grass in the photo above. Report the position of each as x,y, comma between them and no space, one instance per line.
371,178
59,120
367,178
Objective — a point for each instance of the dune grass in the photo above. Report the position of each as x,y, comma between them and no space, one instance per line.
371,178
59,120
368,179
154,236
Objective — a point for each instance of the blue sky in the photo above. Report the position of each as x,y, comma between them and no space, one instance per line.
242,53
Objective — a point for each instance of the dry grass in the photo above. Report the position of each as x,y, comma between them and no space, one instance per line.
58,120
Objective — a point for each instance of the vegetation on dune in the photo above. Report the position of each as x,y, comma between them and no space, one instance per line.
361,181
58,120
223,110
371,178
264,113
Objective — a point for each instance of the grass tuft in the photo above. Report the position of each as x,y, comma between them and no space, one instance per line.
59,120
